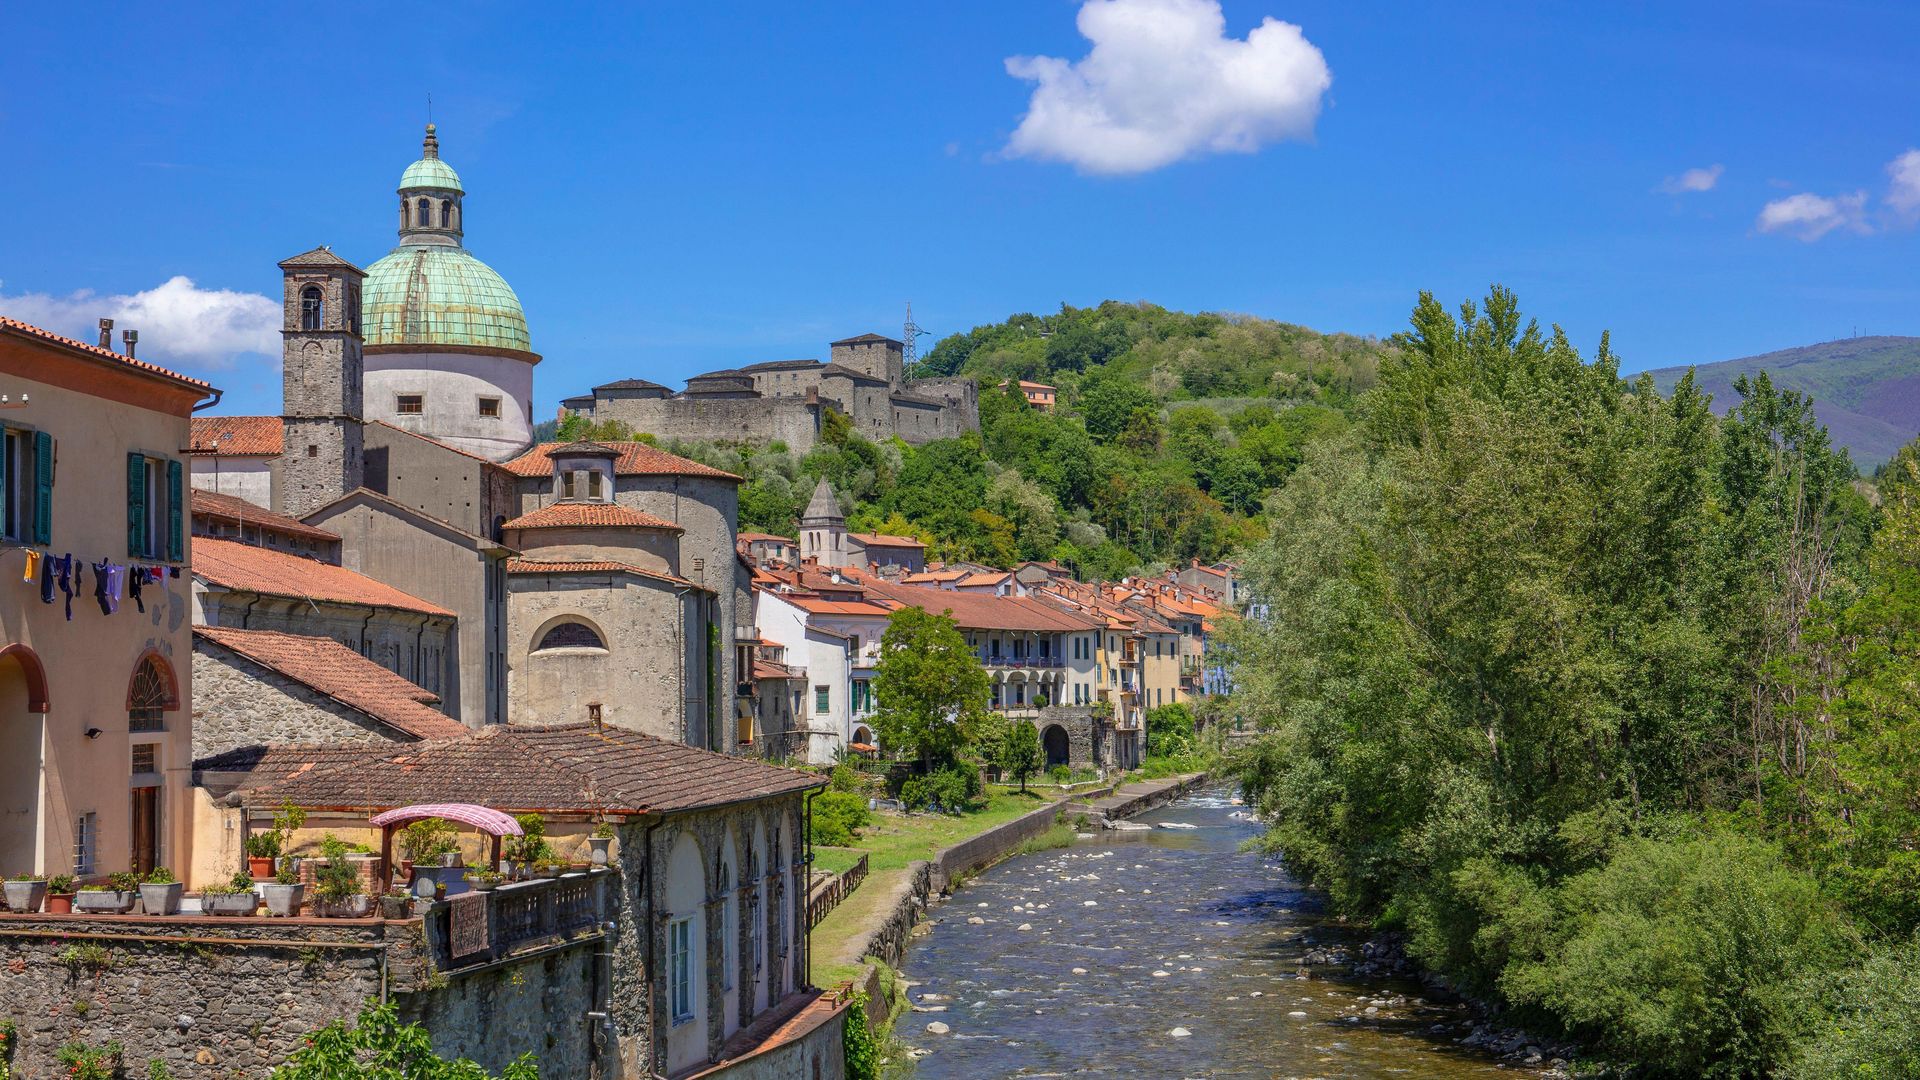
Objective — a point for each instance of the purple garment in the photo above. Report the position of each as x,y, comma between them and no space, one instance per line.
106,586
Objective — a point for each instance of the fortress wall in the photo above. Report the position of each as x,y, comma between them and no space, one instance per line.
732,419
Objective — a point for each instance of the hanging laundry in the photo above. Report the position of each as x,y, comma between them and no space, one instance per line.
106,586
46,579
173,571
136,577
33,566
69,581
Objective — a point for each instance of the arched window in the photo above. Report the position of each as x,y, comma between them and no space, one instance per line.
570,635
150,696
446,213
312,308
423,213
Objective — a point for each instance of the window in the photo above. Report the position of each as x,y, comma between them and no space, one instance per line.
570,635
490,408
680,968
155,490
822,699
593,487
423,213
410,404
566,485
313,450
146,759
86,829
26,486
147,701
312,308
446,213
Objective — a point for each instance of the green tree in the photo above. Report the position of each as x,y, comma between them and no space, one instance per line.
1018,754
929,688
379,1047
1170,730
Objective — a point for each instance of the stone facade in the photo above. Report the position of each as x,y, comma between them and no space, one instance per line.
238,702
782,401
322,382
413,645
1078,730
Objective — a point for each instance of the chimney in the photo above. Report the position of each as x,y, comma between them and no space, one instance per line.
106,334
132,338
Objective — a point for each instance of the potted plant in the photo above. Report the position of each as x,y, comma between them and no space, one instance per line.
262,849
286,821
530,846
232,897
485,880
284,894
160,892
26,893
115,896
337,892
60,894
547,869
395,904
601,841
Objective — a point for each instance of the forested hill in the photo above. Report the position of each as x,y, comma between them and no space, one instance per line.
1866,390
1170,431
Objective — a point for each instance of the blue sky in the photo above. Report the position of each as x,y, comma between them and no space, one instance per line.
674,189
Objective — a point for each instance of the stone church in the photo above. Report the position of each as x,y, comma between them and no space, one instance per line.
864,379
584,581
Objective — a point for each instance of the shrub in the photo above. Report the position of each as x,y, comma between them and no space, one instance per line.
336,879
378,1038
424,841
83,1062
915,793
862,1052
1060,774
954,788
531,845
843,778
1867,1029
837,815
160,875
1685,956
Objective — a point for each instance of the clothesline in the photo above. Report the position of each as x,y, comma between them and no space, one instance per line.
111,580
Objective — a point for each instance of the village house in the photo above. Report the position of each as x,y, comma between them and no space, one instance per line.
95,677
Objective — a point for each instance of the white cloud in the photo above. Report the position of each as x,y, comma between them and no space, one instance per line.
1903,188
1811,217
1163,82
177,320
1693,180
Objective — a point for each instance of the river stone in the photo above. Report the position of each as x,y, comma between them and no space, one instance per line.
1024,926
1179,1033
1079,971
975,920
1089,903
1159,974
937,1028
1297,1015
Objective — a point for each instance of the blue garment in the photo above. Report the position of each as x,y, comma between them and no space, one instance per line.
46,579
69,580
106,586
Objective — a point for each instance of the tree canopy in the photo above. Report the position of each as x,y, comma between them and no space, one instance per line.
930,691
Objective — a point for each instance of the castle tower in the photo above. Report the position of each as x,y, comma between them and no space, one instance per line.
448,355
875,355
321,382
823,530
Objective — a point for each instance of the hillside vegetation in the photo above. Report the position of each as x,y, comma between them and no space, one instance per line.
1170,432
1606,701
1866,390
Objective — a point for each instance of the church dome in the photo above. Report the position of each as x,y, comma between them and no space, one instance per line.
428,295
431,174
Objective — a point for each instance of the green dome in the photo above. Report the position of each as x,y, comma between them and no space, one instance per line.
431,173
420,294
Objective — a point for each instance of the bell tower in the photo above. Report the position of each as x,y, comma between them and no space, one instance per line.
321,380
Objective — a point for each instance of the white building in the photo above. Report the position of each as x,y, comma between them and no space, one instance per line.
836,643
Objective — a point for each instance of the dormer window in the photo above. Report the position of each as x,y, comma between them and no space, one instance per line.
312,308
566,485
593,486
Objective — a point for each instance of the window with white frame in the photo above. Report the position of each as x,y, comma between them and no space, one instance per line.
85,837
680,968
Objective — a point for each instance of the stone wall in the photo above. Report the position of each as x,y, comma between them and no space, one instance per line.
413,645
237,702
1084,742
788,420
655,641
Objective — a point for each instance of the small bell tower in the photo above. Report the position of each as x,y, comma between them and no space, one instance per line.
321,378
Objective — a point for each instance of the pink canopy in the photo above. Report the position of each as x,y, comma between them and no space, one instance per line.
487,820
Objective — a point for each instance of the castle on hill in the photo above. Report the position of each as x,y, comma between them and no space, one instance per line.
864,379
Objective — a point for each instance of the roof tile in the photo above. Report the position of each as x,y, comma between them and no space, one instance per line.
247,568
240,436
636,459
228,508
564,515
340,673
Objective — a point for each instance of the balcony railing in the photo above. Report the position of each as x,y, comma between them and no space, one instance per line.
1022,661
527,915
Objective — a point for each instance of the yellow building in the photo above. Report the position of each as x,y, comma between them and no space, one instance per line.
95,739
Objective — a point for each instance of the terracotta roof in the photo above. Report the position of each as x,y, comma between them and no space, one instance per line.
636,459
982,611
96,352
587,566
247,568
574,768
331,668
229,508
816,606
882,540
994,578
760,537
237,436
254,766
767,669
564,515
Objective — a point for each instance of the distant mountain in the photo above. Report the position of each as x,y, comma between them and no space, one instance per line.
1866,389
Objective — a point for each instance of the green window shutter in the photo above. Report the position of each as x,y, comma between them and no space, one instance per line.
175,503
136,506
42,488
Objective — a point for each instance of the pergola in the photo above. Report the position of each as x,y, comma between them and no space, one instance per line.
486,819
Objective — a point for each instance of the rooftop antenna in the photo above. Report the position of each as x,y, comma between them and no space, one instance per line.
910,333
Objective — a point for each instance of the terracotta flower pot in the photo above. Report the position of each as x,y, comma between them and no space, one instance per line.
260,866
60,903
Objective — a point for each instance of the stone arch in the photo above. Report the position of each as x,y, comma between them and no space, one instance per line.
152,683
684,895
753,868
863,735
1054,741
32,673
727,912
553,629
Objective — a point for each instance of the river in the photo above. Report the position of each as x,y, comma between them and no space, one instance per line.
1086,959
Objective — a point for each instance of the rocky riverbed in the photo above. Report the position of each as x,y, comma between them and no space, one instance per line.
1166,951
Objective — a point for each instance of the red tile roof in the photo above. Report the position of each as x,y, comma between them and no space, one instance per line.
983,611
882,540
818,606
246,568
573,768
236,511
238,436
760,537
766,669
331,668
580,566
565,515
636,459
49,337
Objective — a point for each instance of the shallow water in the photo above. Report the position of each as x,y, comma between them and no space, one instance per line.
1170,928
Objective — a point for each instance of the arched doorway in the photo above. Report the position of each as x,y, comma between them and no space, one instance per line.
1054,742
23,701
